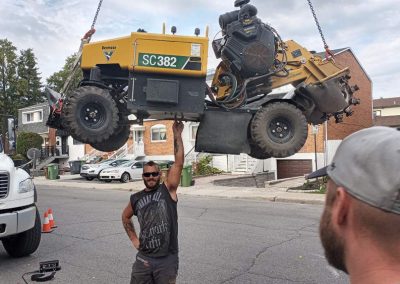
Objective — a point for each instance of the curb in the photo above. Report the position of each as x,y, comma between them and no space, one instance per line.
233,194
300,201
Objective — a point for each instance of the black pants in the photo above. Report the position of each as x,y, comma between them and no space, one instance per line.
161,270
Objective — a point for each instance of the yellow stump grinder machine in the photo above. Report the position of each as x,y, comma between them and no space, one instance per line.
163,76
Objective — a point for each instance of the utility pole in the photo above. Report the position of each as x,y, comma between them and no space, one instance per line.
10,125
315,129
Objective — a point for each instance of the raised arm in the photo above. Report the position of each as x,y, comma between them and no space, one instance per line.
128,225
174,175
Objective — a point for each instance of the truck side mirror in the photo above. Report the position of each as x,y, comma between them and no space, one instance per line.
11,133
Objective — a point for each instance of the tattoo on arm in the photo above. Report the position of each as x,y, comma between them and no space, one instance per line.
176,145
129,228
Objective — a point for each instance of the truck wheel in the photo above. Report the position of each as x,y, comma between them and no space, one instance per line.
125,178
24,243
115,141
279,129
91,114
257,153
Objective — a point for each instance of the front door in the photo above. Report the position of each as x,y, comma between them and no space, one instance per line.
138,142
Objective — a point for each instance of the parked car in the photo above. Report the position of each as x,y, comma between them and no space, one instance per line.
164,164
124,172
129,171
91,171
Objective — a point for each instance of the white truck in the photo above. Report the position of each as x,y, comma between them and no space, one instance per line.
20,226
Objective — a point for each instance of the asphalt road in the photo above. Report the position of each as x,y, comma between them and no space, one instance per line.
221,241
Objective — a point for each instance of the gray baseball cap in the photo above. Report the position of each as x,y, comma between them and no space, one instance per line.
367,165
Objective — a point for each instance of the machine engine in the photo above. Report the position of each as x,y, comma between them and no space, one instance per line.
248,46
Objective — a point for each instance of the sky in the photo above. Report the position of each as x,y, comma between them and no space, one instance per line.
53,28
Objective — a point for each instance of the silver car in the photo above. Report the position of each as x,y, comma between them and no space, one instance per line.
91,171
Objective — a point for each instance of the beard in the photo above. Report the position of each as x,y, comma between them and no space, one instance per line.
152,183
332,243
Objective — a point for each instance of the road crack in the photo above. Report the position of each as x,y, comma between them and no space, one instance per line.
265,249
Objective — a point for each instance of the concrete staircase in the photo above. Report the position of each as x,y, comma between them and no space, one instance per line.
244,164
48,160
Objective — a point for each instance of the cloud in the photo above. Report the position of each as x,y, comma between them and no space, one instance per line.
53,28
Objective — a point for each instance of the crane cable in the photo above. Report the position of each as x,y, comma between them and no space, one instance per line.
86,39
328,52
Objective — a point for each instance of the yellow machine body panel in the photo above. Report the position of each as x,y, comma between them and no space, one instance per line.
305,67
151,53
116,51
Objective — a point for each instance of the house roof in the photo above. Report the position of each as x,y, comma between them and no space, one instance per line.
341,50
387,102
391,120
37,106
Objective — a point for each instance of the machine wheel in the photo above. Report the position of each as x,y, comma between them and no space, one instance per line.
125,178
89,178
257,153
26,242
91,114
279,129
115,141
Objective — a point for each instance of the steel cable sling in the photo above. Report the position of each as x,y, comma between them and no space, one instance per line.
328,52
86,39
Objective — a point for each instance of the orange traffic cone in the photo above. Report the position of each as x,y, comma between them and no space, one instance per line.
51,218
46,224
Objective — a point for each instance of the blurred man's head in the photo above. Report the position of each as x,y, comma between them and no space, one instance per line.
151,175
363,195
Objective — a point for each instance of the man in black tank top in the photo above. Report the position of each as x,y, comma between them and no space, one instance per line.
156,209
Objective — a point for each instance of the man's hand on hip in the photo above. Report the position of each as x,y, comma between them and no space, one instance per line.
136,243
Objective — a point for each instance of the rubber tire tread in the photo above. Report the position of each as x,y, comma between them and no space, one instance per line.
115,141
122,179
256,152
260,123
81,96
24,243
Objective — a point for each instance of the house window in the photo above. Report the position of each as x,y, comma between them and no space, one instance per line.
32,117
193,131
377,113
158,133
29,117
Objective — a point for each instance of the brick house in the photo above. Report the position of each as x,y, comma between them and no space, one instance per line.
387,112
323,140
154,139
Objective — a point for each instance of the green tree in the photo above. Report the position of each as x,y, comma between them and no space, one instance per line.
27,140
8,81
29,85
57,80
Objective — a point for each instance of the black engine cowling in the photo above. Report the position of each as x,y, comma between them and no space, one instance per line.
248,46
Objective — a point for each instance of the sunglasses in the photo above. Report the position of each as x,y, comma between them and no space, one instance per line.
153,174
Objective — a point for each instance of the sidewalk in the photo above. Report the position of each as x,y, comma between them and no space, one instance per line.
203,187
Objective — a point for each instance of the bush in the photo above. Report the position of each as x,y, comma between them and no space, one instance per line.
18,157
203,167
316,186
27,140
